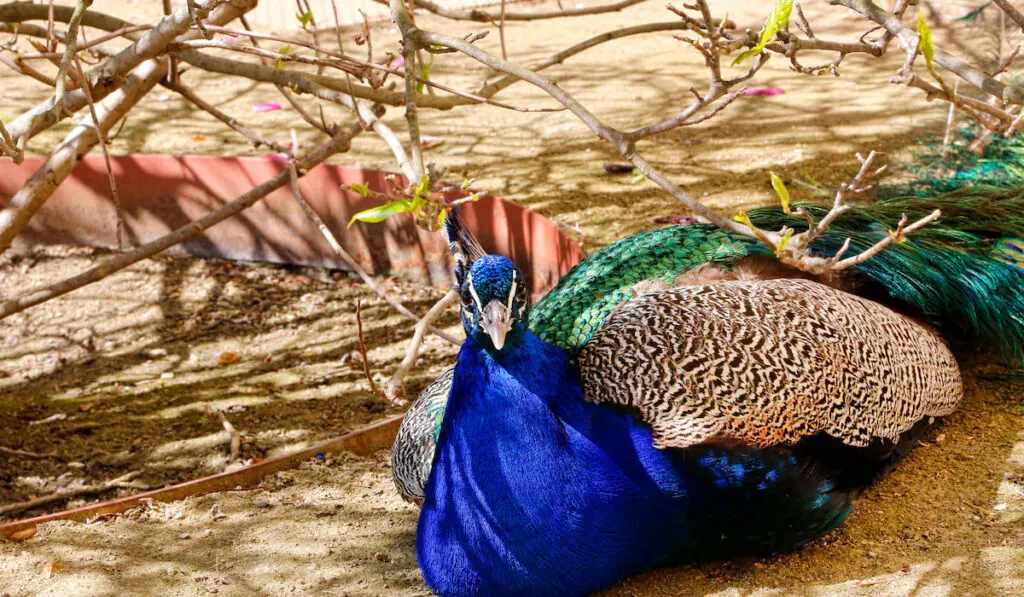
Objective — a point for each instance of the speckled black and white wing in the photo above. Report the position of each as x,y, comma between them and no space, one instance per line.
413,453
768,362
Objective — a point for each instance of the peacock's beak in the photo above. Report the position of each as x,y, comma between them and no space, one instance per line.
496,320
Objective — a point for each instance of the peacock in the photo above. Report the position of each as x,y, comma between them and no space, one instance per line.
680,395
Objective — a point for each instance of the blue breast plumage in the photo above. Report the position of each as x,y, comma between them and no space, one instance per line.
535,491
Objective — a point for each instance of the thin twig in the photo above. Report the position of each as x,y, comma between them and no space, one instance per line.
56,109
362,350
403,19
8,147
347,258
501,31
1011,12
394,390
101,137
256,138
197,19
483,16
236,437
949,121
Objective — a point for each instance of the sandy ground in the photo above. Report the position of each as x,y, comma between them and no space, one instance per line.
129,363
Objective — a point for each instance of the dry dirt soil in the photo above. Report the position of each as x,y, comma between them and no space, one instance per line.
114,378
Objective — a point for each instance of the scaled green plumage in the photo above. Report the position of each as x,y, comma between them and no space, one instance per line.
963,270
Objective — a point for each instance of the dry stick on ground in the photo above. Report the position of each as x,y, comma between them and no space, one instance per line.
338,143
352,263
393,387
236,437
362,350
61,496
26,453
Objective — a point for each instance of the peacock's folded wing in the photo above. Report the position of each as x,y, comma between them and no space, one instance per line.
413,452
768,362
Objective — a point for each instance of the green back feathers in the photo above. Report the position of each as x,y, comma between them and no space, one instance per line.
577,307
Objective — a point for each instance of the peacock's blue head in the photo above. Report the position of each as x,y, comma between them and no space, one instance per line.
494,301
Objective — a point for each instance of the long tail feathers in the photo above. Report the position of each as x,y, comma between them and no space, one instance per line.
965,272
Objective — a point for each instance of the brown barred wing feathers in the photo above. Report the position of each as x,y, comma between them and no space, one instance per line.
768,362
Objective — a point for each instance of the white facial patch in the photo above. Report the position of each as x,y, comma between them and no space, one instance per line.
472,291
511,292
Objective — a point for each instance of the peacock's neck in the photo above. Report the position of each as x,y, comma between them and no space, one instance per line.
526,370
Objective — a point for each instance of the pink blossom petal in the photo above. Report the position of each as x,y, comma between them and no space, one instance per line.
764,91
231,39
267,107
398,62
675,220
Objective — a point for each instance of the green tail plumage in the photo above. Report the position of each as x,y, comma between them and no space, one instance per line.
963,271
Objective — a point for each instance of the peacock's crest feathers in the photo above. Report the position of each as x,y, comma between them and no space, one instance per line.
462,244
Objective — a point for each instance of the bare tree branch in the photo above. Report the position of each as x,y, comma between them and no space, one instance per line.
394,390
256,138
16,215
909,39
482,16
56,110
1012,12
338,143
108,76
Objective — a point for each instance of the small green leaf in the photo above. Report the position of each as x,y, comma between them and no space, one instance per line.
441,216
279,64
781,191
285,50
638,176
424,187
305,18
381,213
778,18
744,219
925,43
782,243
359,188
810,178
